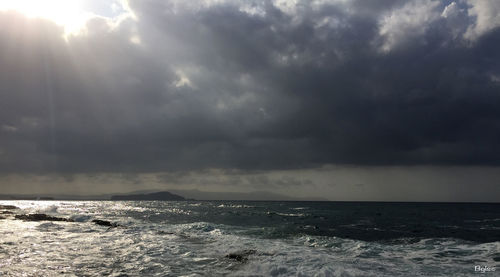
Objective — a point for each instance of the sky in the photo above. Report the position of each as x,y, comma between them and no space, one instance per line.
385,100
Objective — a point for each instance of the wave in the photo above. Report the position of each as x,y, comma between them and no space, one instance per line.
300,208
287,214
233,206
198,245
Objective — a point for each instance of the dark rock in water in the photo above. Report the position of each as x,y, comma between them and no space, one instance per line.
6,212
8,207
41,217
105,223
164,195
1,217
241,256
165,233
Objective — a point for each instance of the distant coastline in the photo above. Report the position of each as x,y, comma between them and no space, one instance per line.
25,197
161,196
172,195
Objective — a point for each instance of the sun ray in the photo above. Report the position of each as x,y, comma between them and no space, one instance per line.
67,13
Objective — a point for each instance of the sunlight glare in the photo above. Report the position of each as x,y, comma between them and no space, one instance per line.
67,13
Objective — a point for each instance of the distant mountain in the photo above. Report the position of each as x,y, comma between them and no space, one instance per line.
162,195
174,195
24,197
256,195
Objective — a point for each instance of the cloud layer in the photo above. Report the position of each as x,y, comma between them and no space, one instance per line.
253,85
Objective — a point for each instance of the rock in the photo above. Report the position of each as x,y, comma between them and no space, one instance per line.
105,223
241,256
165,233
6,212
41,217
1,217
8,207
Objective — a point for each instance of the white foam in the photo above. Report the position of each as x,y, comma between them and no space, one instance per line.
144,248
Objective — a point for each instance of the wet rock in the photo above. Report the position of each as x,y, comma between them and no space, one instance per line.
165,233
41,217
8,207
241,256
6,212
1,217
105,223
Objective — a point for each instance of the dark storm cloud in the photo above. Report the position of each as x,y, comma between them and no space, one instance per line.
232,178
253,85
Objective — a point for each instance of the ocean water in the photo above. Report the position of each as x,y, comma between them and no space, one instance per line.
196,238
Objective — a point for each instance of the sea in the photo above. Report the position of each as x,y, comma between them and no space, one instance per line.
251,238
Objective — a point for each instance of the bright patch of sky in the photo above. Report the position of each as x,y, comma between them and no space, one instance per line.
70,14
